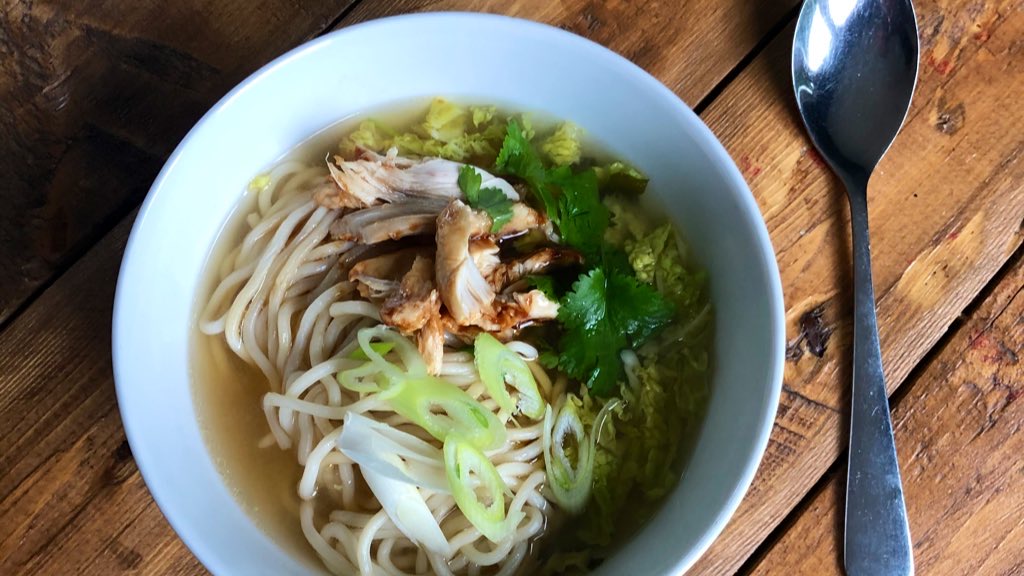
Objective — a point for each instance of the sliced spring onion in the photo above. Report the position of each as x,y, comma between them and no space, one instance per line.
470,472
392,453
499,368
406,350
381,348
405,505
369,378
443,409
571,485
379,374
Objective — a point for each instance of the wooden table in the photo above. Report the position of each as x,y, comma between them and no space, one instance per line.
95,95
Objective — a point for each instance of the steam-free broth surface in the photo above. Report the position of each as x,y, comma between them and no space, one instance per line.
281,368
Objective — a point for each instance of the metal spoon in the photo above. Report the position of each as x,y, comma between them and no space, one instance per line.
854,70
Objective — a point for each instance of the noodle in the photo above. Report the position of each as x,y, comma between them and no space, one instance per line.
282,304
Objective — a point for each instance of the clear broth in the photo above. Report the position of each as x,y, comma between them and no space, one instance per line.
228,393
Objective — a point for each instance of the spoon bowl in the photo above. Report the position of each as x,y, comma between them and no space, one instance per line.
854,72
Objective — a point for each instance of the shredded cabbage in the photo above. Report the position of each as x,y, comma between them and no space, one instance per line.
445,121
625,223
645,252
370,135
482,114
637,456
448,131
620,178
563,146
657,258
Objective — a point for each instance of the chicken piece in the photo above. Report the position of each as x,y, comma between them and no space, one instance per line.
415,308
464,291
507,273
361,252
525,308
523,220
512,313
375,179
430,342
415,301
378,277
411,217
484,253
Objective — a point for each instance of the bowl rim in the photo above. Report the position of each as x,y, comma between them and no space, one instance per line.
208,556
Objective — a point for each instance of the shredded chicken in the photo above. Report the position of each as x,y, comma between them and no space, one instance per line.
525,308
430,342
484,253
411,217
523,220
512,312
415,301
374,179
506,273
465,292
378,277
449,292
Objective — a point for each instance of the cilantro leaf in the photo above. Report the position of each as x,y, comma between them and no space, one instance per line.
519,158
590,346
582,217
571,201
586,306
545,284
491,200
603,315
469,182
639,308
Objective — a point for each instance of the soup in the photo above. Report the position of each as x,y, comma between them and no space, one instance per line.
460,344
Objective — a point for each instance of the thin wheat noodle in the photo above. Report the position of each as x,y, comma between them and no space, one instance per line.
283,304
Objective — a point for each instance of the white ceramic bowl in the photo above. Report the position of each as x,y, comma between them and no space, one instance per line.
477,58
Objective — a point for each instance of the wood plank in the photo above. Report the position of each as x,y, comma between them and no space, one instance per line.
70,494
690,46
104,521
959,444
947,208
931,264
96,95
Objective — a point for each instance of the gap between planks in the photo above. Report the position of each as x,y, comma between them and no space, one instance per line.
120,213
901,394
89,243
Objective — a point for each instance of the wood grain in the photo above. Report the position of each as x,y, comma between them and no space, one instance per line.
70,494
690,46
958,431
947,209
96,94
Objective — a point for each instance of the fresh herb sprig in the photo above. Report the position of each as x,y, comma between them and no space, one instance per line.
608,309
491,200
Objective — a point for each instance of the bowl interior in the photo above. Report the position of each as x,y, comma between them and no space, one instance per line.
474,58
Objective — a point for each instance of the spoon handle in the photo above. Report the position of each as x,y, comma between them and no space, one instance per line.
877,535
